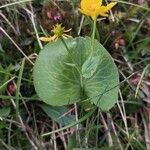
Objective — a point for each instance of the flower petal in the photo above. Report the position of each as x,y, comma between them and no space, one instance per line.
54,37
85,11
103,14
45,39
94,17
100,2
93,8
85,4
110,5
67,36
48,39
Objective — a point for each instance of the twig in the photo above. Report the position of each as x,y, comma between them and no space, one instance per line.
146,128
110,141
115,132
23,127
7,82
124,113
80,27
32,18
9,23
132,4
14,3
6,146
139,83
77,126
16,45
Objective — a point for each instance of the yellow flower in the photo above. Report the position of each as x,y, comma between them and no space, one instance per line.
94,8
59,32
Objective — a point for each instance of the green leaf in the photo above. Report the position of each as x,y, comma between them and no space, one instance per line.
62,78
57,114
72,142
89,67
3,124
4,112
86,149
4,77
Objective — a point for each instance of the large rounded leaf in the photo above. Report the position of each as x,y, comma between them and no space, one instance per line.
61,77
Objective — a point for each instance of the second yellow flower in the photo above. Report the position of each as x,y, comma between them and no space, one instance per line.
94,8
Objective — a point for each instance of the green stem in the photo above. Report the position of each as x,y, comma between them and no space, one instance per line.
18,86
93,36
97,129
68,50
16,98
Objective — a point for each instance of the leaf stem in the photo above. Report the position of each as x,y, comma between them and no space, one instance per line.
68,50
76,65
93,36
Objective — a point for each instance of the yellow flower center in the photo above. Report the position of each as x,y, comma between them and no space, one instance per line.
58,30
94,7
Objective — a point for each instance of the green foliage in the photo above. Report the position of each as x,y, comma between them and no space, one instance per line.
41,1
86,149
133,105
144,47
72,142
4,76
56,113
90,66
4,112
62,78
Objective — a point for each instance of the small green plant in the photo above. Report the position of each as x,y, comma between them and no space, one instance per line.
77,69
